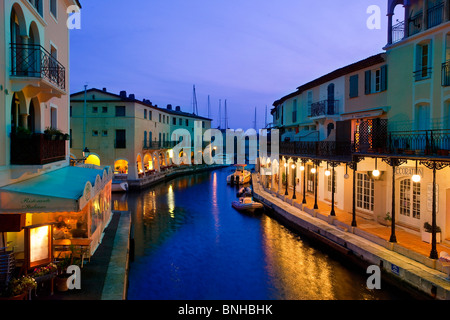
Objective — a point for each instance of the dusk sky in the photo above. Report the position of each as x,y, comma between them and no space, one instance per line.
249,52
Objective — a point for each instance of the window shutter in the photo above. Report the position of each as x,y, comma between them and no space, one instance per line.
354,86
367,86
384,78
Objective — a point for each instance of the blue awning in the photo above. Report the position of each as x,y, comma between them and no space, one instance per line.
63,190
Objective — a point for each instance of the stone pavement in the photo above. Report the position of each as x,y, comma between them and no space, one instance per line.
105,276
408,259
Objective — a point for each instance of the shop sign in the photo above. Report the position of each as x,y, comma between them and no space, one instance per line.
405,171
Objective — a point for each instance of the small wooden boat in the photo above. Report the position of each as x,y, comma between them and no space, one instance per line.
240,176
119,186
246,204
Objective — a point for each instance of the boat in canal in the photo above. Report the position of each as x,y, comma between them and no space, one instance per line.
246,204
240,176
244,192
119,186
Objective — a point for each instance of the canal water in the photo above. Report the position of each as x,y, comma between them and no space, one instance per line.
190,244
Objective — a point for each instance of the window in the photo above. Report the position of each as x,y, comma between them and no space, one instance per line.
310,101
375,80
120,142
37,4
145,113
149,115
174,121
53,117
94,109
120,111
187,122
422,117
410,199
330,179
294,111
70,111
105,133
364,192
423,65
104,109
53,8
354,86
95,133
160,117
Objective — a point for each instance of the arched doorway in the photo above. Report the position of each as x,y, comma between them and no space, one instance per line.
121,166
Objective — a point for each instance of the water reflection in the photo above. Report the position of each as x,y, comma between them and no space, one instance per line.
192,245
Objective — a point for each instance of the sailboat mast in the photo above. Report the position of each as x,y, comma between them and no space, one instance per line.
226,115
220,113
194,102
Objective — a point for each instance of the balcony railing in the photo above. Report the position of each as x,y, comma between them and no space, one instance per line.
417,142
324,108
30,60
318,149
36,149
398,32
446,74
422,73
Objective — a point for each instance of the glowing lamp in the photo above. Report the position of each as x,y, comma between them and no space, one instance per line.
313,170
415,178
376,173
302,168
327,173
293,166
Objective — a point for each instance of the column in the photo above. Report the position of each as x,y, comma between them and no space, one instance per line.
390,28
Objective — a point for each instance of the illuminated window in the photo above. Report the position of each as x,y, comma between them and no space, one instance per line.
410,199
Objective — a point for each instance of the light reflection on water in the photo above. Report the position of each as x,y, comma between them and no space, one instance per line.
190,244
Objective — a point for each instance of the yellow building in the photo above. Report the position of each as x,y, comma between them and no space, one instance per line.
132,136
37,185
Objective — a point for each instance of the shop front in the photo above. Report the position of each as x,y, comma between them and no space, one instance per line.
75,201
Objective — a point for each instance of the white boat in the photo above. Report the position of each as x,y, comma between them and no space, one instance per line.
240,176
119,186
246,204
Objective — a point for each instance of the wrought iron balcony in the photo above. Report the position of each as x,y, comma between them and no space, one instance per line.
30,60
446,74
36,149
324,108
420,143
398,32
331,150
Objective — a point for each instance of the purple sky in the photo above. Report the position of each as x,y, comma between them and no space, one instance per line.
249,52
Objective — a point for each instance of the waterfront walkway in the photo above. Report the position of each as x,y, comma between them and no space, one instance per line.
408,259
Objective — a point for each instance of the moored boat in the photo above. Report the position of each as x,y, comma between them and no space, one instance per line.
246,204
240,176
119,186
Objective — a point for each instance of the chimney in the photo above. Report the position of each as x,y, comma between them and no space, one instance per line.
131,96
177,108
123,94
169,107
104,89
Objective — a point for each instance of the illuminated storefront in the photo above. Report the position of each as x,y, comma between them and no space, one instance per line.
75,200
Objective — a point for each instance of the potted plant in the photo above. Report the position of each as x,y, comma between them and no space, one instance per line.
386,220
61,278
52,133
23,133
427,233
19,288
45,273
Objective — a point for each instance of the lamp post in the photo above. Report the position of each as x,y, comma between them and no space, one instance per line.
295,177
286,179
316,206
302,168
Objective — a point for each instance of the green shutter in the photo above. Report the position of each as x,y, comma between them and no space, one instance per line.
384,78
367,82
354,86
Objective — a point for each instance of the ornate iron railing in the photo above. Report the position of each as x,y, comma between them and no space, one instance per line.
30,60
324,108
36,149
446,74
398,32
420,142
317,149
422,73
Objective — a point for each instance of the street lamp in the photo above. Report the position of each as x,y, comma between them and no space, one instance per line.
416,178
286,179
295,173
86,153
302,168
376,172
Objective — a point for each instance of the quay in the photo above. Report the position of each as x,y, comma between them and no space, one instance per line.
405,261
